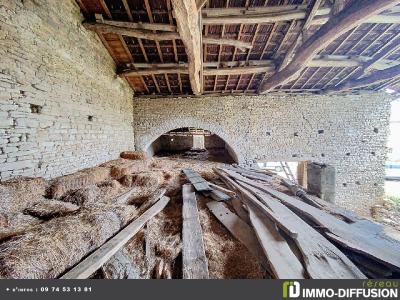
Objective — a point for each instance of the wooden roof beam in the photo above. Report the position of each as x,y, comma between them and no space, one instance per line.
348,18
375,77
206,72
188,22
259,15
323,61
144,30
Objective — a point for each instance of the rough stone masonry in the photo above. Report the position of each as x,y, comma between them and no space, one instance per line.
346,131
62,108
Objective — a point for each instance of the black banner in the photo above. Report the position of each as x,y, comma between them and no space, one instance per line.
199,289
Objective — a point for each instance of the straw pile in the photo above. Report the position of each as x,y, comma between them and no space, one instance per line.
134,155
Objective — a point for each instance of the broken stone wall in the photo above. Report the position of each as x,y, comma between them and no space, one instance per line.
61,106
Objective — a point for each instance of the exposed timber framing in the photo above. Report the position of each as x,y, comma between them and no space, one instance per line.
247,67
281,13
188,23
301,36
128,31
143,30
376,77
350,17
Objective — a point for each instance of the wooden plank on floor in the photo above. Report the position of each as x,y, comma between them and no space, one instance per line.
194,260
362,236
217,195
284,263
240,230
321,258
198,182
95,260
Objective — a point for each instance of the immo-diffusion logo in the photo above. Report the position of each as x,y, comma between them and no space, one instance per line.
291,289
369,289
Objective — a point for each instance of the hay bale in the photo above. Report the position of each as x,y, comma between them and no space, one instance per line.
17,223
84,196
127,180
169,247
134,155
18,194
50,248
66,183
3,220
128,167
150,180
99,174
49,209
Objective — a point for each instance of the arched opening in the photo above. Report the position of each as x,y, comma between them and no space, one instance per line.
192,143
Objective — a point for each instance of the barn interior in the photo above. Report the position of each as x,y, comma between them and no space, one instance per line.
197,139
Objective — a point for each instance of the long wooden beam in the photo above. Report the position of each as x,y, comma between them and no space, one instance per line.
142,26
253,66
375,77
144,30
188,22
347,19
131,32
99,257
281,13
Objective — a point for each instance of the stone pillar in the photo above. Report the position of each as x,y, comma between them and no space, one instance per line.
321,181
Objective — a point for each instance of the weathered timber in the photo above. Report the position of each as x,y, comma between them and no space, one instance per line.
360,236
222,189
198,182
283,262
95,260
230,42
194,260
375,77
141,26
281,13
348,18
217,195
240,230
127,31
321,258
188,22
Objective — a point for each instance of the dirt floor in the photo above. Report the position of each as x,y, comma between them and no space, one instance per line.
69,217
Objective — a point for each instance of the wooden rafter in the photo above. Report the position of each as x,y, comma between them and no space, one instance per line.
376,77
144,31
188,23
281,13
348,18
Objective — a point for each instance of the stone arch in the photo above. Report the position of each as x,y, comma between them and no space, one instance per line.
144,141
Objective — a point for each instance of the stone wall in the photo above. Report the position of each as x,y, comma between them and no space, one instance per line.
61,106
346,131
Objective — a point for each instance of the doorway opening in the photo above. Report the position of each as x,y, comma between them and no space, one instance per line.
192,143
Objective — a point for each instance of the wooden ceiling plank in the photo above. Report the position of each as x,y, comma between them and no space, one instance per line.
105,8
82,6
348,51
301,36
156,83
128,11
187,19
347,19
260,15
376,77
236,48
150,15
171,21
